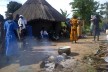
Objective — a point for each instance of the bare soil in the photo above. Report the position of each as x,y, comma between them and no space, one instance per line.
36,51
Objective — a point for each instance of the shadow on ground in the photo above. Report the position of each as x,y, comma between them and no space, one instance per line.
74,54
85,42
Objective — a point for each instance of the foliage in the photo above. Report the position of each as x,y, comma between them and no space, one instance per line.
86,29
84,8
104,10
13,6
64,13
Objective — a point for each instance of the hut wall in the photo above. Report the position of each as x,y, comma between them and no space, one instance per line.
37,26
56,27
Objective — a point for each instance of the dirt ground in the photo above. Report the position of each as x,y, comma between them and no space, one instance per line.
36,51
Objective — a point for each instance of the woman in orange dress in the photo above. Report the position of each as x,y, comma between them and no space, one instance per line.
73,33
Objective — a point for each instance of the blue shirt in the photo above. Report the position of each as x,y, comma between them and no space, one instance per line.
10,26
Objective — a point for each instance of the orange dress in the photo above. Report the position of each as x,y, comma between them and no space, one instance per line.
73,33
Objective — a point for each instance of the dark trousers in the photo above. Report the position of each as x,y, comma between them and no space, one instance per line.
23,37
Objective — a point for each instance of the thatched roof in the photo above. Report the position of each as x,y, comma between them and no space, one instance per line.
39,9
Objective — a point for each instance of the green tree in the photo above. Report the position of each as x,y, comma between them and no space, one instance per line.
84,8
64,13
13,6
104,11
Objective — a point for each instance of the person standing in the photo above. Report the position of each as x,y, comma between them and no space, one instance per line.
29,30
10,28
73,33
2,39
16,21
91,25
96,30
16,18
22,27
22,30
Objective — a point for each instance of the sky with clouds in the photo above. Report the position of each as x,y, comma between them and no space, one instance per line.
57,4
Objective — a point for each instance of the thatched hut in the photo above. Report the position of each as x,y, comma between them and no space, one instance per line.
39,13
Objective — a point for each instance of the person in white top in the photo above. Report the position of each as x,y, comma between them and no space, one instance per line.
91,25
22,22
22,26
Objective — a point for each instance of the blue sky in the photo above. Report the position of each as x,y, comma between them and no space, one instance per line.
57,4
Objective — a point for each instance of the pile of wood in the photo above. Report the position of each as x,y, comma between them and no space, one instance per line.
99,60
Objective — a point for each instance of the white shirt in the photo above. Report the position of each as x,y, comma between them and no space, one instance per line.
22,23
